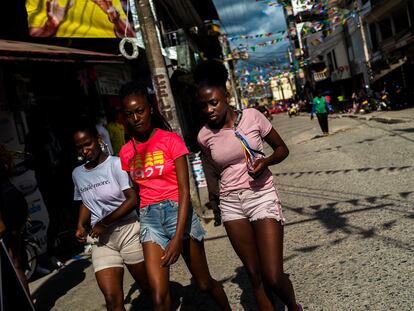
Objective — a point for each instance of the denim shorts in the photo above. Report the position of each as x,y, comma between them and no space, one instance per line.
159,222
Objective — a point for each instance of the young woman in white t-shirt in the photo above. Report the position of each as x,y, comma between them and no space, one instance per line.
249,202
108,202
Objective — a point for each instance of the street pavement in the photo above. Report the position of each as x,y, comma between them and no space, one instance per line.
348,199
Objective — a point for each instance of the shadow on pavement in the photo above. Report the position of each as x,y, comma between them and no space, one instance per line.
345,171
334,218
182,298
59,284
409,130
142,302
189,298
247,299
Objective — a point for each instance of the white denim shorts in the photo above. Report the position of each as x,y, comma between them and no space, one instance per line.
119,245
252,205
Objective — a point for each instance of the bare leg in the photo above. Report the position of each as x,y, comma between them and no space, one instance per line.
139,273
269,237
158,277
110,282
195,258
242,238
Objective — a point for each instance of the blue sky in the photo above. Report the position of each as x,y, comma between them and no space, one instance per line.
248,17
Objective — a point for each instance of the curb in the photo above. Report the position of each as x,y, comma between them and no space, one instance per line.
387,120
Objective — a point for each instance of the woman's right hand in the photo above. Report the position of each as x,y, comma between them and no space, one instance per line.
81,234
172,252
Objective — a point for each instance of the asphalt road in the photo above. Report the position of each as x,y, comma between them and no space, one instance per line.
348,199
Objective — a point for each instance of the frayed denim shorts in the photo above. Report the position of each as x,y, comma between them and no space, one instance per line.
159,222
252,205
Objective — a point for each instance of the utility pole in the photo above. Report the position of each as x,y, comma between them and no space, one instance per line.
229,64
161,81
156,63
296,55
367,71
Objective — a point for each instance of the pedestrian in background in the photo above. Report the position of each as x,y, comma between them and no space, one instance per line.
156,159
320,107
107,202
249,201
101,127
46,156
116,130
328,103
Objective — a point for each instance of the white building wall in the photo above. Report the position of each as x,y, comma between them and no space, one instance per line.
333,44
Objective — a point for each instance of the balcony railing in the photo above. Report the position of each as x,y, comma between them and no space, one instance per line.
321,75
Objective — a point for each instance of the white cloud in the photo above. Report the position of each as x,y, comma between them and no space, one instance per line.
235,29
237,9
248,17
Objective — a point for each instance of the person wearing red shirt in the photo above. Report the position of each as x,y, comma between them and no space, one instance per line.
155,158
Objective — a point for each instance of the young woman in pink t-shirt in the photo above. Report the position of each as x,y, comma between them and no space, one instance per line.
155,158
249,202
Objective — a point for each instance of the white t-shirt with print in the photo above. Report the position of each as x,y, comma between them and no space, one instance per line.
101,188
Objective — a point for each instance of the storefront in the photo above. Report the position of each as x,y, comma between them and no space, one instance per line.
43,90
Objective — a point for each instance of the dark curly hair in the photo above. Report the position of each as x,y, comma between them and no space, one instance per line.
211,73
140,89
84,124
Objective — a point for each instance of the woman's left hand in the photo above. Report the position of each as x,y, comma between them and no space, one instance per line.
172,252
258,167
98,230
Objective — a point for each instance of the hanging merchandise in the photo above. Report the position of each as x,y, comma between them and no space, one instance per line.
133,43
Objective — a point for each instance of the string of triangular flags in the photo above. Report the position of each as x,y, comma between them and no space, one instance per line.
253,47
258,36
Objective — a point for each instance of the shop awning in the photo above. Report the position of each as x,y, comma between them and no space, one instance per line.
29,51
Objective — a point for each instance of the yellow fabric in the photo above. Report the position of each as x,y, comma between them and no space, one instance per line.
117,136
84,19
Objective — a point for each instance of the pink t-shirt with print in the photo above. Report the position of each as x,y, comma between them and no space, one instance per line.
151,166
226,151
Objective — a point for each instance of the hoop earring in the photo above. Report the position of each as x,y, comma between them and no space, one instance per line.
102,145
152,110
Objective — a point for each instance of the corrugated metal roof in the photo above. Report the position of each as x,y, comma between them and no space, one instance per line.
29,51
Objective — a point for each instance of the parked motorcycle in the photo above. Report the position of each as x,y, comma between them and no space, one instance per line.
293,111
364,105
383,101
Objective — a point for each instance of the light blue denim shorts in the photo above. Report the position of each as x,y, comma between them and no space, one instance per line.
158,223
